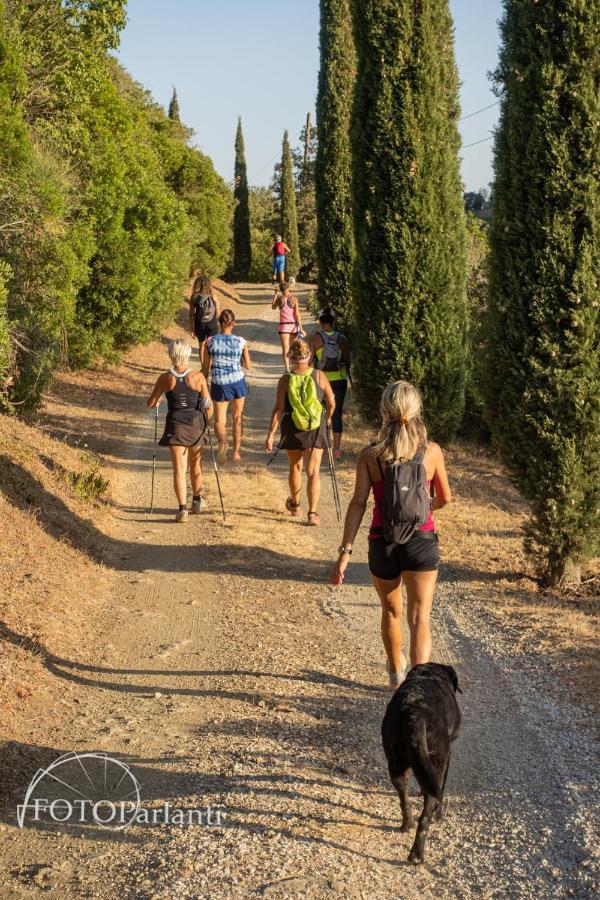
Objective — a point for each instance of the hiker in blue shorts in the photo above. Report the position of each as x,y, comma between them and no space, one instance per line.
279,250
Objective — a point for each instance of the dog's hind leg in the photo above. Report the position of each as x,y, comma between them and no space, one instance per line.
400,782
417,853
439,813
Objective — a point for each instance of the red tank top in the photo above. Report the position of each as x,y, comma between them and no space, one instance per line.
278,248
377,520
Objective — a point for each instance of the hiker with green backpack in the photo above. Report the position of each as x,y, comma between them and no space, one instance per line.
304,407
400,469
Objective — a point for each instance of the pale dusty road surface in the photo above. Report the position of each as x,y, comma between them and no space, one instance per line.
228,674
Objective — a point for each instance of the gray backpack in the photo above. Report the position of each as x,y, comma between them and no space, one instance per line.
406,500
205,308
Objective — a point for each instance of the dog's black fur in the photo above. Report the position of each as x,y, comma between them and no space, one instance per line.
420,723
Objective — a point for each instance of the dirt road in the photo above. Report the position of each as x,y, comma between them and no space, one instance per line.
227,674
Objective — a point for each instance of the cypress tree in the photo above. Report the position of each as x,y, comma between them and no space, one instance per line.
409,286
241,216
174,108
333,172
541,374
289,221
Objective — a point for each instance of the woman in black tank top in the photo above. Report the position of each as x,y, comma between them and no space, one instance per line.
188,407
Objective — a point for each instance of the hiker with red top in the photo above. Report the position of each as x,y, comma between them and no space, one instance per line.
278,251
399,469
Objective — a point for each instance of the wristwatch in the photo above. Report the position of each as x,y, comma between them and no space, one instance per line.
343,549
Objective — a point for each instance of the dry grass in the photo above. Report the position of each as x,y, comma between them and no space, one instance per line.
43,571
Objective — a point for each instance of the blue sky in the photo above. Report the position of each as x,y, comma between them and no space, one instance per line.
259,59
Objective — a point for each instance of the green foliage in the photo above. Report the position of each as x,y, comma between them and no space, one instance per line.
477,260
173,111
241,216
306,212
105,204
409,286
287,210
542,384
264,219
88,485
335,239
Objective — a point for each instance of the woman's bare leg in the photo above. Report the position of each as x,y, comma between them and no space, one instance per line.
179,461
195,463
220,426
285,346
312,466
420,588
237,414
295,459
390,596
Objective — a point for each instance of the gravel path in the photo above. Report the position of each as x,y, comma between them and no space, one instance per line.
229,674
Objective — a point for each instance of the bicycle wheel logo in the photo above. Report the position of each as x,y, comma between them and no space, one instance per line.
82,789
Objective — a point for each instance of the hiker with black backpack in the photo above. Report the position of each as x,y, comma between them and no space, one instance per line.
204,314
332,354
399,469
304,407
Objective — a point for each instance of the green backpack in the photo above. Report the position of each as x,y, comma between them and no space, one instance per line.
307,409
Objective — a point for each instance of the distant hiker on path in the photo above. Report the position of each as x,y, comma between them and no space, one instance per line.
226,353
188,403
204,314
289,319
299,408
332,354
278,252
403,546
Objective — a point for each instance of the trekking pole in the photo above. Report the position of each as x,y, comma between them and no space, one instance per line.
334,484
154,456
216,468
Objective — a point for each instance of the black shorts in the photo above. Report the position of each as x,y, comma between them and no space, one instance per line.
206,329
420,554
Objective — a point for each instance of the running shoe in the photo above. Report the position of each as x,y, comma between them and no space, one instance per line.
197,505
181,515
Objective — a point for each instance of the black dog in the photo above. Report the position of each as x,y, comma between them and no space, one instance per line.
420,723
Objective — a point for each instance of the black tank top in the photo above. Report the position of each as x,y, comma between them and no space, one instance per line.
182,400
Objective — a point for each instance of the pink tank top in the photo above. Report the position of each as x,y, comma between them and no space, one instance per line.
286,313
377,520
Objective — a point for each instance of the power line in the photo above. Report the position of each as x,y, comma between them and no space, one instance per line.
252,177
477,111
474,144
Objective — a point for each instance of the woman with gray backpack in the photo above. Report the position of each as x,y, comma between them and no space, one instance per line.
332,357
204,314
399,469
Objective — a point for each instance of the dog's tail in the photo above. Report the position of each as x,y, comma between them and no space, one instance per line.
420,763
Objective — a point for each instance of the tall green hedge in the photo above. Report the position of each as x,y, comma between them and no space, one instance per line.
105,204
409,286
241,216
333,171
288,216
542,384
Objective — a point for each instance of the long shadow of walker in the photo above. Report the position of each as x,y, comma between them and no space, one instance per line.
59,521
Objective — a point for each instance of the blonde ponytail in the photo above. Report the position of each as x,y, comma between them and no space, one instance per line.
402,429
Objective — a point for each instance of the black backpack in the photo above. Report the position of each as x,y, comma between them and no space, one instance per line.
205,307
406,500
